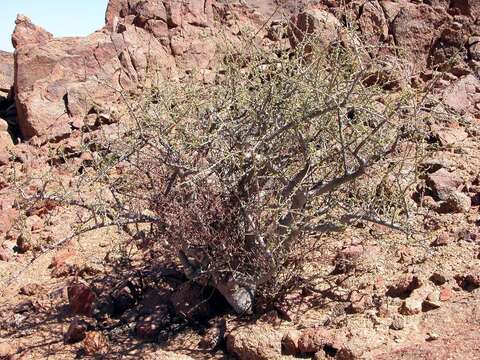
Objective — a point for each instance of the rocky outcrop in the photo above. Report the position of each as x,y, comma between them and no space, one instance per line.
59,81
28,33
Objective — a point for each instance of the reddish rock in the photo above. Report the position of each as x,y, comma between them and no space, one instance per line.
373,23
446,293
255,342
463,345
95,344
443,182
290,342
470,280
31,289
359,302
451,136
403,286
6,72
353,252
462,96
7,350
149,326
442,239
315,339
5,254
415,27
6,145
76,331
65,262
26,33
314,21
81,299
415,303
57,80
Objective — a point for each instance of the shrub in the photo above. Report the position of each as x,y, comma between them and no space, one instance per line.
241,179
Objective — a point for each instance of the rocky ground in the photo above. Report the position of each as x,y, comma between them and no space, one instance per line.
383,295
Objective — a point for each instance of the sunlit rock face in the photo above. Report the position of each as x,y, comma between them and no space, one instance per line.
58,79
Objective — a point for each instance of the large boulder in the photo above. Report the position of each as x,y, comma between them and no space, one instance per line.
415,28
59,81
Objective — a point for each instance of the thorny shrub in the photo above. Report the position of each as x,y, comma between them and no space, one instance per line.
243,178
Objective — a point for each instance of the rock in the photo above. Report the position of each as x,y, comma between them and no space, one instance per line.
474,47
372,23
359,302
26,33
469,235
322,24
65,262
214,336
81,299
415,303
255,342
95,344
403,286
442,240
457,202
462,95
443,182
353,252
125,296
415,27
438,278
6,72
446,293
470,280
315,339
347,257
5,255
189,300
76,331
149,326
411,306
290,342
451,136
57,80
7,350
24,307
398,322
463,344
31,289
